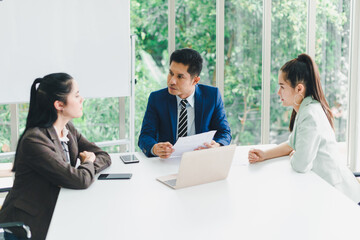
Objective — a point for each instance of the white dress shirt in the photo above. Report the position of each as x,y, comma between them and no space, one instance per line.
64,143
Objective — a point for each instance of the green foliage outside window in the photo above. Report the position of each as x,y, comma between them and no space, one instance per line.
332,57
149,22
288,40
196,28
5,128
243,69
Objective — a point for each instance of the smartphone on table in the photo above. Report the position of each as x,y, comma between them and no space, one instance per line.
113,176
129,159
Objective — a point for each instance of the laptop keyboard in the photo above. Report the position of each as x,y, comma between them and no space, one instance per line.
171,182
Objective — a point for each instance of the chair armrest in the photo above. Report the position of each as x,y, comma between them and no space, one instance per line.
17,225
5,189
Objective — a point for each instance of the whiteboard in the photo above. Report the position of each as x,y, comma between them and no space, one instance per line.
88,39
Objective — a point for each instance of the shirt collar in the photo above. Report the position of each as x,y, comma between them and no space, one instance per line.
190,99
306,102
65,132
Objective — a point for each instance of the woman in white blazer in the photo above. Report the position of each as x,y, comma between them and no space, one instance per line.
312,141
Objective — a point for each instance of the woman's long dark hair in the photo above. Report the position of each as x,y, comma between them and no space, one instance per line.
52,87
42,112
304,70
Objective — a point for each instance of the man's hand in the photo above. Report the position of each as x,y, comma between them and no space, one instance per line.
87,156
212,144
163,149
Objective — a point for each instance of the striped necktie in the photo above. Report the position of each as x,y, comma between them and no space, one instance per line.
182,127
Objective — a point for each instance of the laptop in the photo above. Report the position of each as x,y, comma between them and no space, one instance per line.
202,166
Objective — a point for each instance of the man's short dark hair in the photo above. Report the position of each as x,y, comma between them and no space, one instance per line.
188,57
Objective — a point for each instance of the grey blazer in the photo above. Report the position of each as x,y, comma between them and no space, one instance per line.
41,170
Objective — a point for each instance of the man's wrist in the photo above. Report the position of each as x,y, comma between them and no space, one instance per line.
152,151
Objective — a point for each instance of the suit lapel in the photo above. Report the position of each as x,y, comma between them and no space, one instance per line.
172,107
198,109
54,137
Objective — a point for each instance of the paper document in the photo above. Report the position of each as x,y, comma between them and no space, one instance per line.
189,143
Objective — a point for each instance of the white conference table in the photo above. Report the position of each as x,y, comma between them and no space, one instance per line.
266,200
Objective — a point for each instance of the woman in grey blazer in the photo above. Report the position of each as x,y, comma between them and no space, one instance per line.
50,154
312,141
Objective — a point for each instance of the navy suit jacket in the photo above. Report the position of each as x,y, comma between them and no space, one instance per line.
160,120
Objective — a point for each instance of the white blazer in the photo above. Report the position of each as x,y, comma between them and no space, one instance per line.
316,149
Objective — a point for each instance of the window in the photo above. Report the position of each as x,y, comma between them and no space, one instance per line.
332,57
100,121
243,69
196,28
288,40
6,144
5,130
149,22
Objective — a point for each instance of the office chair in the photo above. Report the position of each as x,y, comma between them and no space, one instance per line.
357,175
5,189
20,228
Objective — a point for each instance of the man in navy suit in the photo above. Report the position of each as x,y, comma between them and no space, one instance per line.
204,108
